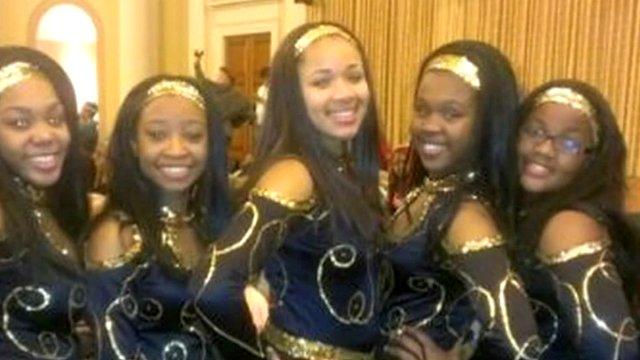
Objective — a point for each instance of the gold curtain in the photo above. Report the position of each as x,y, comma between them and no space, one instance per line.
597,41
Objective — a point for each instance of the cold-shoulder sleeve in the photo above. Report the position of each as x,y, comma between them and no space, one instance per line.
592,297
116,334
237,258
497,296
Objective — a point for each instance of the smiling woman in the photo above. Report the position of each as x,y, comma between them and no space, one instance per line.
167,202
571,230
42,209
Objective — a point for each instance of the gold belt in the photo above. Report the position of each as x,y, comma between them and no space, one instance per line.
301,348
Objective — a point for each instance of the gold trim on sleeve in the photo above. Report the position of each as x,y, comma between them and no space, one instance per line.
125,257
283,200
472,246
587,248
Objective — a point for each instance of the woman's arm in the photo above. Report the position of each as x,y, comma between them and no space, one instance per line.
576,249
236,258
497,294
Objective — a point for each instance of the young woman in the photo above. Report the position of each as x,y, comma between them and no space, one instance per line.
43,208
571,160
310,224
167,201
452,276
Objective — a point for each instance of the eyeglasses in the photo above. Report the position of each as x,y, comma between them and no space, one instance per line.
561,143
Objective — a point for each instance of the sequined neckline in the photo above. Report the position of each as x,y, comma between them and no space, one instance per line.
172,221
44,219
36,196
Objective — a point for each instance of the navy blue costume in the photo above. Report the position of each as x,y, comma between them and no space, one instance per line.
145,309
324,290
456,294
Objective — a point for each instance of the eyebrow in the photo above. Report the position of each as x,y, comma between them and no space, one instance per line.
27,110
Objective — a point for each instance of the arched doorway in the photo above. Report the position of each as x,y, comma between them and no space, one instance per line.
67,33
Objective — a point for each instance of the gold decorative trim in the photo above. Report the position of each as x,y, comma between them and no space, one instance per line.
459,65
587,248
176,88
15,73
301,348
600,322
125,257
316,33
280,199
472,246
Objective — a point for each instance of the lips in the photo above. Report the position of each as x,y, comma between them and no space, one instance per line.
44,162
431,147
175,172
536,169
344,116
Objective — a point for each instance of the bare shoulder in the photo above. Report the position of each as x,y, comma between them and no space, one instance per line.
109,239
289,178
568,229
473,221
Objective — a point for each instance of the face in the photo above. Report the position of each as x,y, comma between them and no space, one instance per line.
34,137
443,123
171,143
334,87
552,147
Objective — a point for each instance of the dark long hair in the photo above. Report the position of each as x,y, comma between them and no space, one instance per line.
67,198
137,196
601,196
288,131
495,121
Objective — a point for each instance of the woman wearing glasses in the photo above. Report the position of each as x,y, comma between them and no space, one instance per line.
571,170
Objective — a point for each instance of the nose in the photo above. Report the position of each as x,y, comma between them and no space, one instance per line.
343,89
176,147
545,147
427,123
42,133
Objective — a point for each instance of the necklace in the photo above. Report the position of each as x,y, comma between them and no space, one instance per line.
45,220
172,223
419,201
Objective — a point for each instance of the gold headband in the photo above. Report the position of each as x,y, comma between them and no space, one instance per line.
458,65
573,99
316,33
15,73
176,88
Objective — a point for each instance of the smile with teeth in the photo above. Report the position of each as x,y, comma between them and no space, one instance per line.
344,115
45,162
432,149
175,172
536,169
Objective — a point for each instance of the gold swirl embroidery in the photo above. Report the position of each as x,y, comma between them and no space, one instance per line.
532,343
280,199
215,253
587,248
255,217
301,348
578,307
472,246
601,323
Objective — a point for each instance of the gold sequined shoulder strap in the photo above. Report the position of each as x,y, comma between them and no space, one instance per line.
283,200
583,249
129,254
